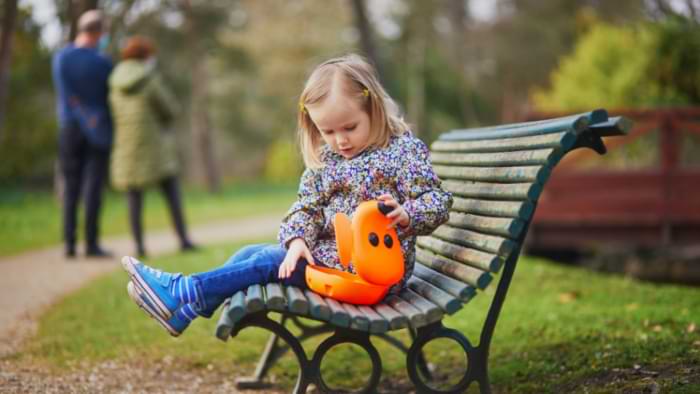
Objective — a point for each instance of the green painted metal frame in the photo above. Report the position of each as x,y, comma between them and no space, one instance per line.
416,365
310,368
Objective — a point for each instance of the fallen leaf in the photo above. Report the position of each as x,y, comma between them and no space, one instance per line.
569,296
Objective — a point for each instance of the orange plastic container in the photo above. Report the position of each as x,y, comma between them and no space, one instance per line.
343,286
374,251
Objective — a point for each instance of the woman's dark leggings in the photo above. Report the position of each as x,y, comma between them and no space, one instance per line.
171,192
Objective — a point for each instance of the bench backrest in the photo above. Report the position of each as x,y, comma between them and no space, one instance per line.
496,175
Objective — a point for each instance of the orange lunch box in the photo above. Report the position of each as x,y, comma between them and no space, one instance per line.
374,251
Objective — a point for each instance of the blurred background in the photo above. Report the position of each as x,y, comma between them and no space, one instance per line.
238,67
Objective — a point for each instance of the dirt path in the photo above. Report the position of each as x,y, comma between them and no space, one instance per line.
33,281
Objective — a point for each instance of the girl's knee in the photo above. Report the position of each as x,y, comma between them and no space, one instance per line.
274,253
245,253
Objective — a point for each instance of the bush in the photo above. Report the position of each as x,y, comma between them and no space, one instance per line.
283,163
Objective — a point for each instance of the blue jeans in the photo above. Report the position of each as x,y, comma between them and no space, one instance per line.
253,264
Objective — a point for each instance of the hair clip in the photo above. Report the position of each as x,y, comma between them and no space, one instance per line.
365,92
302,109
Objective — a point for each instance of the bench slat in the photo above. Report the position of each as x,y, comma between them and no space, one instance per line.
415,316
236,309
296,302
461,290
465,274
434,294
224,326
431,311
319,308
358,320
465,255
377,323
339,316
494,174
489,243
497,191
553,140
274,297
512,209
576,123
396,320
254,300
510,228
500,159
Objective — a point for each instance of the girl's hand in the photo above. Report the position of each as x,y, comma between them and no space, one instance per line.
297,250
398,215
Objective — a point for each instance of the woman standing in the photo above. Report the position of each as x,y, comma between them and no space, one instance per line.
144,151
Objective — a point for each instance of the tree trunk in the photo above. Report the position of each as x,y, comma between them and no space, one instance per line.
367,42
416,82
201,127
419,36
9,16
204,155
691,9
457,10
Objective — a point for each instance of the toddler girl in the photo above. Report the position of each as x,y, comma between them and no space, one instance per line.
356,148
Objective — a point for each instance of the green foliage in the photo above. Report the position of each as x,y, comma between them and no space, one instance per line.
28,141
607,69
562,330
283,162
676,68
647,64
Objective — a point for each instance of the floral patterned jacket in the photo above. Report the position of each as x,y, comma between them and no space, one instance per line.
402,169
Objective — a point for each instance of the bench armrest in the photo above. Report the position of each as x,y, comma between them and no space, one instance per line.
592,137
612,127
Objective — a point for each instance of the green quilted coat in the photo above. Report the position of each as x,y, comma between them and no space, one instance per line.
144,150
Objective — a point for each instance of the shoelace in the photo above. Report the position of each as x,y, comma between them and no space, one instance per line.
151,270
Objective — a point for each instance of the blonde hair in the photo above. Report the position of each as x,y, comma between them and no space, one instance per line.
361,82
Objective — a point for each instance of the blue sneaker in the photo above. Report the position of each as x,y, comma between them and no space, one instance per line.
175,326
154,285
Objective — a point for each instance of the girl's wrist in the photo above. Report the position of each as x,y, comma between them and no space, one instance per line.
296,241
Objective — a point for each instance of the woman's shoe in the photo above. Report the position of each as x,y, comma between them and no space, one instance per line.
175,326
189,247
96,251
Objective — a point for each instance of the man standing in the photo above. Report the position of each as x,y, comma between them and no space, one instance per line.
80,76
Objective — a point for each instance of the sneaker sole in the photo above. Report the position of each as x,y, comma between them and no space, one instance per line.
136,296
148,292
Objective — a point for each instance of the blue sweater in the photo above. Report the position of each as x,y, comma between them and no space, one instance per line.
80,78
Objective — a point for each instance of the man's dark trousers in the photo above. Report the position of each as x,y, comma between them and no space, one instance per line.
84,167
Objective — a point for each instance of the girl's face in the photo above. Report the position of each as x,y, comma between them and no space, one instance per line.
343,124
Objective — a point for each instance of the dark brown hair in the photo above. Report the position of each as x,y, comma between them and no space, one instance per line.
138,47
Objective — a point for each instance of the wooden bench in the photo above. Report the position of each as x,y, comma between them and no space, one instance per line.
496,175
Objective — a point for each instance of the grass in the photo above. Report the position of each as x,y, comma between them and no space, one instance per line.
563,329
32,219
